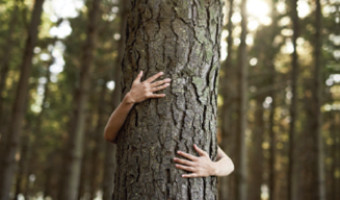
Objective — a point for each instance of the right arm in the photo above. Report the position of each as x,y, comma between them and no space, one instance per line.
139,92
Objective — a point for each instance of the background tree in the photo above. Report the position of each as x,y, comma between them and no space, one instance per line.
19,106
74,151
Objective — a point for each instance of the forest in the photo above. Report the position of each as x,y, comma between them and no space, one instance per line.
258,78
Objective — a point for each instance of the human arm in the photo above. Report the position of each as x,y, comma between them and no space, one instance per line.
139,92
202,165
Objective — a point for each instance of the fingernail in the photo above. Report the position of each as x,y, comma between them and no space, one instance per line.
161,72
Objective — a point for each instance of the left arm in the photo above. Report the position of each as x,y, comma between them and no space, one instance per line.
203,166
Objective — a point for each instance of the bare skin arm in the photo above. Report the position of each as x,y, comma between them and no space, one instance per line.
202,165
139,92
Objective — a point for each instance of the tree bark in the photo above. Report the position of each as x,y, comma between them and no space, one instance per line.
241,159
76,136
12,146
182,39
293,103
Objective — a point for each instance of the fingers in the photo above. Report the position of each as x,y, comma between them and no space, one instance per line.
154,77
161,87
161,82
139,76
182,161
200,151
157,96
192,175
186,155
183,167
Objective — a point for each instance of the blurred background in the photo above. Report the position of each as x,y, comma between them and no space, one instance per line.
282,129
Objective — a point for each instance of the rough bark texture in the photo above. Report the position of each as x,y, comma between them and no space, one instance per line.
182,39
12,145
76,137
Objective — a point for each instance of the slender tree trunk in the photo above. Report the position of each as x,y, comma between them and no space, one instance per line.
256,153
270,61
182,39
241,160
76,136
110,149
337,155
227,91
5,60
98,141
293,104
22,171
9,165
316,120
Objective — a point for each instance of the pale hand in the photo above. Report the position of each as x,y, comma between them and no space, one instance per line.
201,166
141,91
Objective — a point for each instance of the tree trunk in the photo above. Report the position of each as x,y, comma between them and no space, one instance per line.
241,160
317,97
5,61
337,155
182,39
228,92
22,171
76,136
293,103
256,153
313,170
9,165
110,149
98,141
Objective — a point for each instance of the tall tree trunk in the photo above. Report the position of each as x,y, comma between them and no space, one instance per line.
76,136
182,39
293,103
226,184
316,118
241,160
270,61
98,140
256,152
337,155
110,150
272,141
5,60
22,171
9,164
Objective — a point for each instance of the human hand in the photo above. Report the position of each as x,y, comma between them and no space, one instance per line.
201,166
141,91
